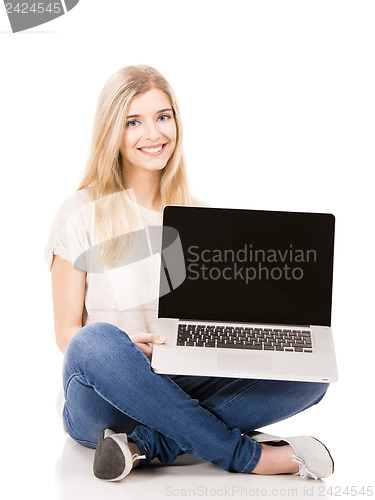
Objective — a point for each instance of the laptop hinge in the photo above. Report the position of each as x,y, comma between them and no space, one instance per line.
241,322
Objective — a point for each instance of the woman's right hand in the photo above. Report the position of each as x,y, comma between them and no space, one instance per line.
142,341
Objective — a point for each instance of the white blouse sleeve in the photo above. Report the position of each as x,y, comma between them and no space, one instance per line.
67,235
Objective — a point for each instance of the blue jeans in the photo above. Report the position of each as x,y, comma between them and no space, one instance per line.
109,382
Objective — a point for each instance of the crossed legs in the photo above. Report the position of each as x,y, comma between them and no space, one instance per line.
109,382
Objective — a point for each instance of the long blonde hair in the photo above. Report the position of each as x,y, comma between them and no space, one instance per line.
115,214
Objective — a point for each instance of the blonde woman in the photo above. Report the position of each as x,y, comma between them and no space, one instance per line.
104,283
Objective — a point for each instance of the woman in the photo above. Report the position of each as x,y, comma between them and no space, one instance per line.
104,284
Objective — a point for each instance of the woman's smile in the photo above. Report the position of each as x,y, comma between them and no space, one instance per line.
153,150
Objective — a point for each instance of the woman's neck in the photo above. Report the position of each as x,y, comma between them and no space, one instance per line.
146,187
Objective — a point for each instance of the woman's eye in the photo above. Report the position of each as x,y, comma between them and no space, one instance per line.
131,123
163,118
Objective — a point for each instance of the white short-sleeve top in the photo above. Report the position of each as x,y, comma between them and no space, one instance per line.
125,296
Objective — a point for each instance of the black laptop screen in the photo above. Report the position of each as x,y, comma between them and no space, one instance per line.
239,265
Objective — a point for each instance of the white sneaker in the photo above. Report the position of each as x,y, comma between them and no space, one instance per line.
113,459
311,455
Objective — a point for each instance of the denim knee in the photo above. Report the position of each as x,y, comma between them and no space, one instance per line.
321,389
90,344
313,392
88,335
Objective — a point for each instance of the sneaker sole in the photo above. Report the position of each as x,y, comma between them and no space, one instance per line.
109,461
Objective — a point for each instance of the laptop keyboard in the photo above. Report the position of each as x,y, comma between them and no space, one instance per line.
260,339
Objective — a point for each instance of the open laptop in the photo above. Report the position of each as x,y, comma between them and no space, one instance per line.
246,293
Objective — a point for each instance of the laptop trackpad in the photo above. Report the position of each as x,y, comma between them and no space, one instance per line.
243,363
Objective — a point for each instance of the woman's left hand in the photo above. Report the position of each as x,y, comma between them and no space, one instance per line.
142,340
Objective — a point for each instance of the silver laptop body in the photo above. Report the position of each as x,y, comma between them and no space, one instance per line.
246,294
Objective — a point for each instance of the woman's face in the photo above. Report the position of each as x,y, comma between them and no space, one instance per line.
150,132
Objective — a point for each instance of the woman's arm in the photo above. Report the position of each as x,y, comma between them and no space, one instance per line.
68,292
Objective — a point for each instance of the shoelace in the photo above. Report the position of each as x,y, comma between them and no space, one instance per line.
136,457
304,471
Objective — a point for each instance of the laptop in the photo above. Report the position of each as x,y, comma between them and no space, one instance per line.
246,294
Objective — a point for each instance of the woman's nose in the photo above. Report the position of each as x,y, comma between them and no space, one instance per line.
152,131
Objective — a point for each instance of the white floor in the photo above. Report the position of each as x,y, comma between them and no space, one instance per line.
187,477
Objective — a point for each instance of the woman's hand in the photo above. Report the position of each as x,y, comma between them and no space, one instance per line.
142,340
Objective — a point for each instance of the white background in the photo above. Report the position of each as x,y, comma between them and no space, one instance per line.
278,107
